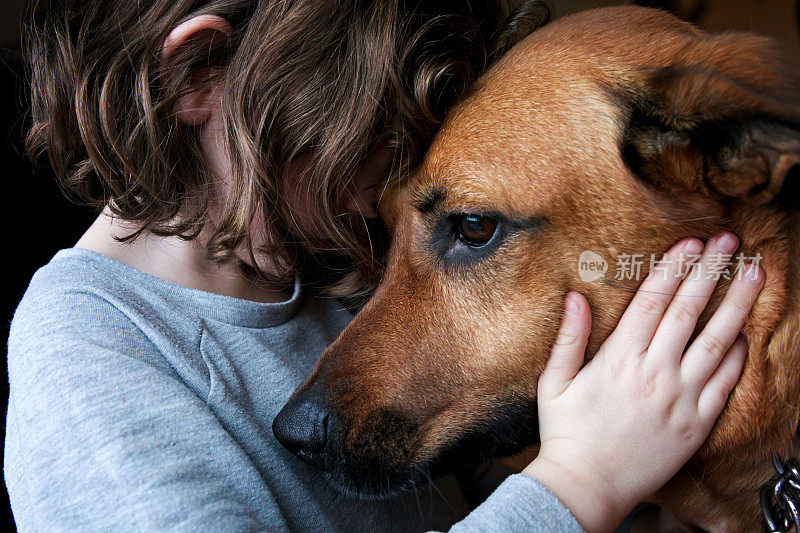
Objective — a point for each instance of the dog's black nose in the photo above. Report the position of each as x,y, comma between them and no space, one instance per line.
302,427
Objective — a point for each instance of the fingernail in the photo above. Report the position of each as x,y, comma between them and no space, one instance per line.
752,273
693,247
570,305
728,242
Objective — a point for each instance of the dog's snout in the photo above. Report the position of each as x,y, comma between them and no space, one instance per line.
302,427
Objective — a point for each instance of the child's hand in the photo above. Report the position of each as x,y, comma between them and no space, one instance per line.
617,430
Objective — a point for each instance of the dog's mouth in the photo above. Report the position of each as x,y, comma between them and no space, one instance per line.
385,459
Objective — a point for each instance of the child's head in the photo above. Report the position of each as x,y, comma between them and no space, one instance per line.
315,83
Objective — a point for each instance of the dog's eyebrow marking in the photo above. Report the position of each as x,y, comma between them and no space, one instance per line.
536,224
428,199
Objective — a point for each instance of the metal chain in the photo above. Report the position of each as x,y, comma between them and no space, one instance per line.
780,498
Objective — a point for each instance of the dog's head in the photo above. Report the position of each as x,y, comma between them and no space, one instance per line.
615,132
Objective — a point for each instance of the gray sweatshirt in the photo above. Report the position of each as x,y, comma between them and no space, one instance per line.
140,405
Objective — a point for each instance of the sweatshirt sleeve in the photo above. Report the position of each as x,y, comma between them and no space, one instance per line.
520,503
102,436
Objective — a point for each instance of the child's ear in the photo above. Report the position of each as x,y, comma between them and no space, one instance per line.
199,35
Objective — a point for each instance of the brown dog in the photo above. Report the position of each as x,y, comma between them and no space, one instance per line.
618,131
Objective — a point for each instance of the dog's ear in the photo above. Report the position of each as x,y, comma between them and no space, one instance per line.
724,119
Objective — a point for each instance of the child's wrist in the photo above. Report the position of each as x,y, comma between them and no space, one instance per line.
593,503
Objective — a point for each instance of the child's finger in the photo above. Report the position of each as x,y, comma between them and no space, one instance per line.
566,358
681,316
706,351
641,319
715,394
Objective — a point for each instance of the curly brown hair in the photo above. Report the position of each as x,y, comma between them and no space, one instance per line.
325,78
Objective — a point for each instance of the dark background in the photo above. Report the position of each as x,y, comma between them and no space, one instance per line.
38,221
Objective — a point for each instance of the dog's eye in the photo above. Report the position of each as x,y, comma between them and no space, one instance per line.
475,230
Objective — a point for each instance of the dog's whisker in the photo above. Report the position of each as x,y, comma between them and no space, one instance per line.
444,498
695,219
419,505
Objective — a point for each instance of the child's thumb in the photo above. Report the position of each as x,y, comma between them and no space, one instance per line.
566,358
